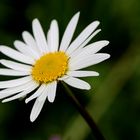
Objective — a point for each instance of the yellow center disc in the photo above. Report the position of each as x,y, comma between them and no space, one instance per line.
50,67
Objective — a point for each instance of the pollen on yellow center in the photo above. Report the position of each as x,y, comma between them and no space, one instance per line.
50,67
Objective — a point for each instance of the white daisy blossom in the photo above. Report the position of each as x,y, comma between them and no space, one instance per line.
43,62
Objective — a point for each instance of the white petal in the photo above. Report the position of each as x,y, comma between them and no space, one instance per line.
90,49
15,82
37,109
25,49
13,72
82,73
88,61
37,93
52,91
30,41
68,34
21,47
89,38
79,49
22,94
77,83
82,37
49,40
54,36
16,55
13,90
16,66
44,93
39,36
96,46
63,77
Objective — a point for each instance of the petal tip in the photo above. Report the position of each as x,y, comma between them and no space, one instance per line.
3,101
26,101
97,74
24,33
54,21
108,55
35,21
51,100
96,22
32,119
98,30
105,42
77,14
15,42
88,87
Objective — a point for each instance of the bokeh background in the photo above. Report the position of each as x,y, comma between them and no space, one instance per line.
113,101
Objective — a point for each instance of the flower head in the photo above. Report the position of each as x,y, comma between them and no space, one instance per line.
42,62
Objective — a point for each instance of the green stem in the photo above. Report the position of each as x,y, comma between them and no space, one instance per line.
98,135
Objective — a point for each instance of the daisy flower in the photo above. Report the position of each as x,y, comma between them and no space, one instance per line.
42,62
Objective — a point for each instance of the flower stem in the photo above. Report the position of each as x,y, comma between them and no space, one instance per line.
98,135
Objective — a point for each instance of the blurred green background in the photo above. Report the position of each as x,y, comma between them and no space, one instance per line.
113,101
